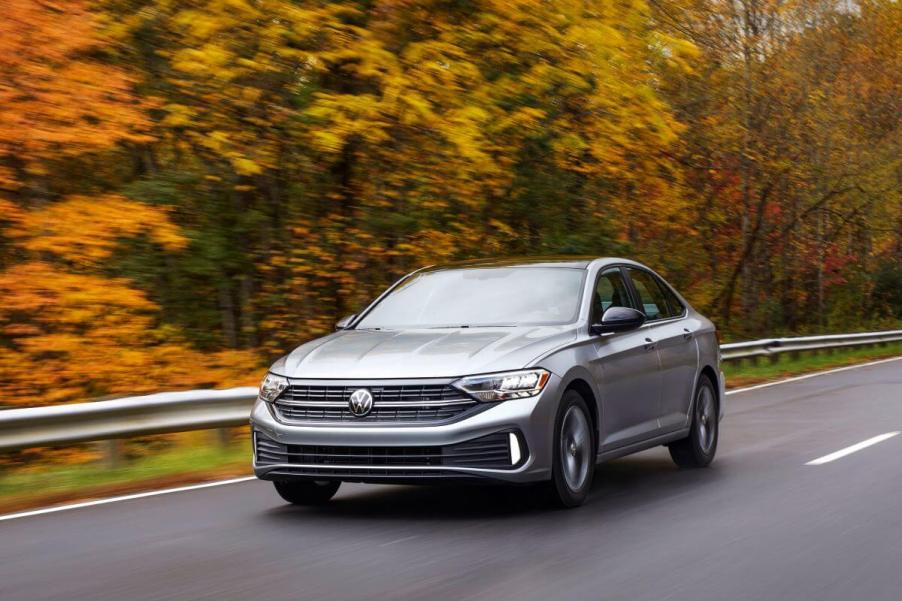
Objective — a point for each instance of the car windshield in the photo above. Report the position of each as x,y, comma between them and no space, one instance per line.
480,297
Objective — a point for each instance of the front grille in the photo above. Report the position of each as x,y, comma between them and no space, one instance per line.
403,403
491,452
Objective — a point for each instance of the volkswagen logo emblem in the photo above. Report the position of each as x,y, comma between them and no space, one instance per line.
361,402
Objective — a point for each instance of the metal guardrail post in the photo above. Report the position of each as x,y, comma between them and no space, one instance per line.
223,437
113,452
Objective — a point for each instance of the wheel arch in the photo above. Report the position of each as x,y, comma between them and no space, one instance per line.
709,371
583,388
580,381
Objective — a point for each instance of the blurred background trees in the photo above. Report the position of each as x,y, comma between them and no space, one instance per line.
189,188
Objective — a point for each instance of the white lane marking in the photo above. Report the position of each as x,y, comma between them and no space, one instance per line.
153,493
814,375
140,495
852,449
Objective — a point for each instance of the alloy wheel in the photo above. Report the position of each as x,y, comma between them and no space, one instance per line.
707,418
576,448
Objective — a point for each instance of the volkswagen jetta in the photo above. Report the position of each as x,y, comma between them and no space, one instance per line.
510,370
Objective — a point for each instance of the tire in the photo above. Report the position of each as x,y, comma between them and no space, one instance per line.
573,452
306,492
698,449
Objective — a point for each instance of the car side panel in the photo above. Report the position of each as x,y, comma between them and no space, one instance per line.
678,351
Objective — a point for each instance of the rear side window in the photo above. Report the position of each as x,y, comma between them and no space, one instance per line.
673,303
653,296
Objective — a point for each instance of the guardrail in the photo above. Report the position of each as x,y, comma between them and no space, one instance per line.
773,347
121,418
204,409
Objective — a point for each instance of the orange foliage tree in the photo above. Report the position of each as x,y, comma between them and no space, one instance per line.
56,99
69,333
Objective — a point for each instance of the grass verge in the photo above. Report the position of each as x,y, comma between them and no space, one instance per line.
194,459
188,462
744,375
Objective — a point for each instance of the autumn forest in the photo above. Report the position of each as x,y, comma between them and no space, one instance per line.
189,188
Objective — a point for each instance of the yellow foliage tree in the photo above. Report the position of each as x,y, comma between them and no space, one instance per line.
419,132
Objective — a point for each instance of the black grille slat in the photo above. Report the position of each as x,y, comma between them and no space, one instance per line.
466,454
492,452
269,451
367,474
299,403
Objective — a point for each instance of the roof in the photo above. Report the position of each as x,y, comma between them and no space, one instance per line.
576,262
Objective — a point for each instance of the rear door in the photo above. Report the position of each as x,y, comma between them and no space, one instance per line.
677,349
626,369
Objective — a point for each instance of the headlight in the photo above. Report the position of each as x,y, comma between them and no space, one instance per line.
272,386
504,386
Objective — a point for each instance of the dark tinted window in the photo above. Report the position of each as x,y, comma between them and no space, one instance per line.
651,295
610,291
676,307
485,296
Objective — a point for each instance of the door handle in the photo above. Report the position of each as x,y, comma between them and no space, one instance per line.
650,344
687,335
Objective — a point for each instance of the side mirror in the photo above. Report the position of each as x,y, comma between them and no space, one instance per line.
344,322
617,319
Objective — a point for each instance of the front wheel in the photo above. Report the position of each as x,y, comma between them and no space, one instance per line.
573,452
698,449
306,492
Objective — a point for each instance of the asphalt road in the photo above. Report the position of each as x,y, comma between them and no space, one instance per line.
759,524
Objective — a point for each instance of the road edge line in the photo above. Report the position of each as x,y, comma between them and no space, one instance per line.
140,495
812,375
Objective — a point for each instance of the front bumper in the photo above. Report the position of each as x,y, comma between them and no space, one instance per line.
530,420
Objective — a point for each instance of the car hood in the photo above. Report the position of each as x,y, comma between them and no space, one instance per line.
433,353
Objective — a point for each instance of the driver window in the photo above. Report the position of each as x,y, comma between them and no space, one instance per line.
610,291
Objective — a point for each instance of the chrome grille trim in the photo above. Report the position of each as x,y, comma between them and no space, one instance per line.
343,404
394,401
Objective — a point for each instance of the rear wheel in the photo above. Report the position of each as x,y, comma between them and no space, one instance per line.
306,492
698,449
573,452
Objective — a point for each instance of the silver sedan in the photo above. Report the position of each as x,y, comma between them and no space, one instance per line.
516,371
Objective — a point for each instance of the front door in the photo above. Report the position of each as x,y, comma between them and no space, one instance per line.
626,369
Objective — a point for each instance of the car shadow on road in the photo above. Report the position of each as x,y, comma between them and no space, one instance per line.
622,484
